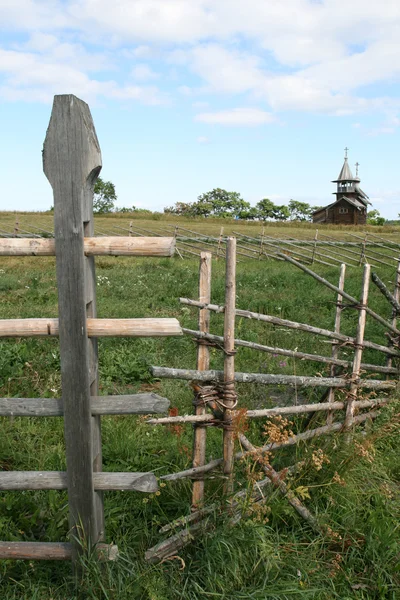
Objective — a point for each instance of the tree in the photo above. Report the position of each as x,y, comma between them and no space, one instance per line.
217,203
221,203
300,211
104,196
266,209
374,218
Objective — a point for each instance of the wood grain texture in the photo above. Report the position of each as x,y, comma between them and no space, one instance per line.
50,551
229,362
94,246
72,162
135,404
362,315
270,379
94,327
335,347
203,363
57,480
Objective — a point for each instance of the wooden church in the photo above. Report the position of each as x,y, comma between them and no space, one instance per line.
350,206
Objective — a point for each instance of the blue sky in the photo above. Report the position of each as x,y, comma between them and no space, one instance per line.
255,96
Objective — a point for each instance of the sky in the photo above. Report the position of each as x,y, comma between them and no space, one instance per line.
255,96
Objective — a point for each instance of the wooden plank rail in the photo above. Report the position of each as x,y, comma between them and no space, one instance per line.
268,379
95,327
50,551
57,480
94,246
291,325
136,404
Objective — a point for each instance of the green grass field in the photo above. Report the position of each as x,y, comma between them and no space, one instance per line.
268,555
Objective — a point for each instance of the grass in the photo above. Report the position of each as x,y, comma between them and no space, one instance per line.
356,493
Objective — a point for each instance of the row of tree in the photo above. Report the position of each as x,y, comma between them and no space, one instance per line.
220,203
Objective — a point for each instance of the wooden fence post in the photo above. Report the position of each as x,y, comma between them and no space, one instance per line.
203,364
229,361
362,315
335,346
221,233
72,162
261,243
315,246
396,294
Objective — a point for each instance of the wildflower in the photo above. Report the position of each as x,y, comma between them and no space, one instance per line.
283,363
318,458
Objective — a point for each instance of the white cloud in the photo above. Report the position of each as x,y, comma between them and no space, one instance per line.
143,72
237,116
31,77
291,55
203,140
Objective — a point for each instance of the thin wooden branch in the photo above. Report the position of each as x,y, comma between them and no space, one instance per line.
372,313
382,288
95,246
269,412
95,327
203,364
291,325
292,353
352,394
299,507
307,435
335,347
269,379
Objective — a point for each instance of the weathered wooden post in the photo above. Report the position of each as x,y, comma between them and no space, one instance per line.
203,364
335,346
72,162
229,361
221,233
359,346
395,314
315,246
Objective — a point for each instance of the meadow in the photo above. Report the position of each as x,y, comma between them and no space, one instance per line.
267,555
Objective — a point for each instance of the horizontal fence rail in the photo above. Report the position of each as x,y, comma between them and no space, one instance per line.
100,246
269,379
135,404
95,327
57,480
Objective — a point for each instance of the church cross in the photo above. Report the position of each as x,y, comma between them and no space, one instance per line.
346,150
357,165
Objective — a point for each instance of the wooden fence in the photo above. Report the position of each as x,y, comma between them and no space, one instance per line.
72,162
215,390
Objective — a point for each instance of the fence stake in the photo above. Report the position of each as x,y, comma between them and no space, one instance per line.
221,233
372,313
203,364
315,246
71,162
396,295
261,243
335,346
362,315
229,361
